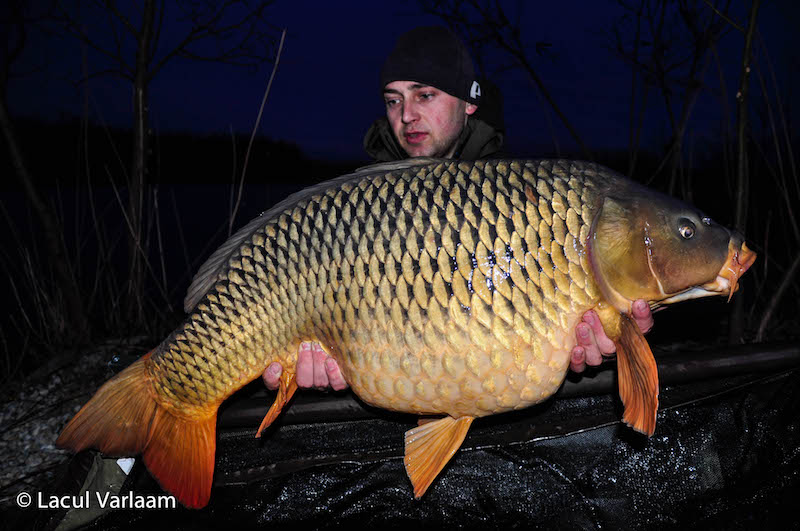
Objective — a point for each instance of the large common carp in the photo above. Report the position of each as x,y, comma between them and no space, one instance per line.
440,287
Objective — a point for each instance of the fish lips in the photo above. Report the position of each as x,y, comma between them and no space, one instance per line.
739,260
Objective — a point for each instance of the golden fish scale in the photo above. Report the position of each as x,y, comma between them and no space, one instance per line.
451,288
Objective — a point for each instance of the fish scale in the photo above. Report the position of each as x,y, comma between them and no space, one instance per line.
415,324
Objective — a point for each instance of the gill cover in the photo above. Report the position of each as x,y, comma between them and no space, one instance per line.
650,246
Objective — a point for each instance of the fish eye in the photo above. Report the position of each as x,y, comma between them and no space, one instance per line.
686,228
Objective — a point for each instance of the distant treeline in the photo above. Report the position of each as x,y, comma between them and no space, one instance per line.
71,152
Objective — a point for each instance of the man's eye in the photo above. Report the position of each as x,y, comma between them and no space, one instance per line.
426,96
391,103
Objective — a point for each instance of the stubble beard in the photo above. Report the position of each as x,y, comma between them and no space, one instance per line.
445,149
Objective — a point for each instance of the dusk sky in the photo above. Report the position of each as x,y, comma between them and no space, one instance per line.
325,94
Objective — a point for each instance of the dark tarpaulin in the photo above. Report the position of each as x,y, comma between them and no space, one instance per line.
724,456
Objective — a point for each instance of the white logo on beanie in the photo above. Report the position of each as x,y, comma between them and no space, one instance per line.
475,91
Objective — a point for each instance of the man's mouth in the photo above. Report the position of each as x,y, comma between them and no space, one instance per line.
415,137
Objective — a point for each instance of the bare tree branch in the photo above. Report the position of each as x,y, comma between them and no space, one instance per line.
681,36
483,24
111,7
742,174
741,98
75,28
157,36
237,26
207,29
724,16
109,72
788,281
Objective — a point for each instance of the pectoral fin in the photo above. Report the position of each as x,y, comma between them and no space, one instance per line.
638,378
430,446
288,385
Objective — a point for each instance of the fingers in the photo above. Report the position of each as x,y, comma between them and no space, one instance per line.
577,360
335,375
604,345
320,375
642,315
272,375
305,366
585,352
316,369
592,343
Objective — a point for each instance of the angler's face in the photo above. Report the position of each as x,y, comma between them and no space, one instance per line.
425,120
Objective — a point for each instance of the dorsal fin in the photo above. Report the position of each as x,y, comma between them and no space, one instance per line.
208,273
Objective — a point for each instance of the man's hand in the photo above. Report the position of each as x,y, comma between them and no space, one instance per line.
593,343
314,369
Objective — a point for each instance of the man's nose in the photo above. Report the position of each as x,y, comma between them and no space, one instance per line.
409,112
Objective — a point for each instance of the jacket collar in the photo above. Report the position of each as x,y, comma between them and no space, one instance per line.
478,140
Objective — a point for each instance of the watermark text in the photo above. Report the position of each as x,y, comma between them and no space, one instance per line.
101,500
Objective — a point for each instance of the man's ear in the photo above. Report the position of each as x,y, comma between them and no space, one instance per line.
471,108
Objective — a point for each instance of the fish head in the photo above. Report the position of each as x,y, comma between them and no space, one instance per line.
645,245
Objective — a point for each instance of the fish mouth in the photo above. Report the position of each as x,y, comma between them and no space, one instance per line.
738,261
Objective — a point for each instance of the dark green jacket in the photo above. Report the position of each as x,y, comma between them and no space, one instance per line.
478,140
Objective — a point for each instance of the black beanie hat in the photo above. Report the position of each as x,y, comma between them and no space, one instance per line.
435,56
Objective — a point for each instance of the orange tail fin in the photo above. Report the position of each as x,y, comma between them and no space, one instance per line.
124,418
638,378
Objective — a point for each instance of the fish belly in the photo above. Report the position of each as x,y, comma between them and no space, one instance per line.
458,373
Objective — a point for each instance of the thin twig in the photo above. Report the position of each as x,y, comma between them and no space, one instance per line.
160,242
138,243
742,98
773,303
735,323
782,114
723,16
181,237
253,134
778,173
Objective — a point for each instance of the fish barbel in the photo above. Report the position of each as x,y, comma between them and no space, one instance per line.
440,287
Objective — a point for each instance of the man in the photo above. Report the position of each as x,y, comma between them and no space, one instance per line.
431,96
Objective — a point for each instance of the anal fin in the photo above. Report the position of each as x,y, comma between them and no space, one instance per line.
288,385
430,446
638,378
